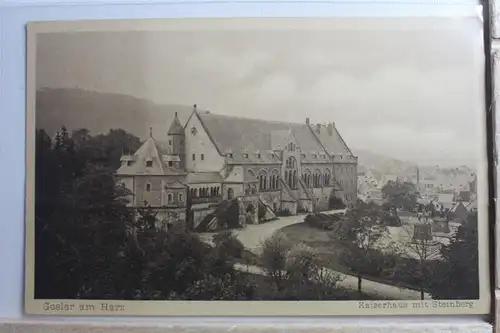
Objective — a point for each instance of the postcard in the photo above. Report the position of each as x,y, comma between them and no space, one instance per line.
256,167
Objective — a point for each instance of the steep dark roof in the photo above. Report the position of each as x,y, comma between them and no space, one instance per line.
176,128
150,151
258,138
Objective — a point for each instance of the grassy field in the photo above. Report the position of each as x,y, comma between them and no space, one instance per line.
267,291
329,251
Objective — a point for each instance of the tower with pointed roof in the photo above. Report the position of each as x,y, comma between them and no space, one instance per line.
177,140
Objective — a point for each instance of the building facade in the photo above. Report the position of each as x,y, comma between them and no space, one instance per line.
283,167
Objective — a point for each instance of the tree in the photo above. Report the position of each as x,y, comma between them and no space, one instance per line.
273,258
400,195
228,245
228,214
457,276
334,202
296,270
106,149
418,252
80,223
359,234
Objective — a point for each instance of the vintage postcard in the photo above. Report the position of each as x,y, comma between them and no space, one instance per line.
257,167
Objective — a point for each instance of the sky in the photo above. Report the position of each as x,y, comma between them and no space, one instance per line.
413,93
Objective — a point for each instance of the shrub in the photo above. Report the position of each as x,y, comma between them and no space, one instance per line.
296,270
335,203
284,212
228,245
321,221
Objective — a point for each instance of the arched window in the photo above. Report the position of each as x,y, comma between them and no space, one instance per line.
317,179
263,180
170,198
181,197
195,192
327,178
230,193
274,180
291,172
251,175
218,190
306,177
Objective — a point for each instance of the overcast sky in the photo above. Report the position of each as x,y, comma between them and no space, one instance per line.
409,94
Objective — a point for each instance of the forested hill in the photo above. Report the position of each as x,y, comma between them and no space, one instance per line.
100,112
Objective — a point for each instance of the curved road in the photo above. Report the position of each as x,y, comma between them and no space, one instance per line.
253,234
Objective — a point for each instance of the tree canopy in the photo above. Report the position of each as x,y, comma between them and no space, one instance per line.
400,195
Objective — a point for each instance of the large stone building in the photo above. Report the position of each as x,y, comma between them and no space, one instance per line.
284,167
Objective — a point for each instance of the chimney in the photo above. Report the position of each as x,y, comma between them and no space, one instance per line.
318,128
308,121
330,129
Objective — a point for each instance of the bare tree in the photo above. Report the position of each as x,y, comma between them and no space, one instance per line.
296,269
417,249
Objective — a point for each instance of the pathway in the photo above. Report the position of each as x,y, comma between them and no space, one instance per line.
253,234
372,288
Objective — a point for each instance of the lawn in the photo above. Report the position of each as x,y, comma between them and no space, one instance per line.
329,251
265,290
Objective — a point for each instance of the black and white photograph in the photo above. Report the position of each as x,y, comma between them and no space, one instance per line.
256,167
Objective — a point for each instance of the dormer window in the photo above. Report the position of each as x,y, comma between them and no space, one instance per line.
230,155
303,155
257,155
245,155
149,164
315,156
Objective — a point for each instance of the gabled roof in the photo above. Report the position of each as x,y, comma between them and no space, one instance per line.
150,151
332,141
175,184
204,177
176,128
247,136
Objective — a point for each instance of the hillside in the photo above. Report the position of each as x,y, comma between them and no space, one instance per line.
384,164
99,112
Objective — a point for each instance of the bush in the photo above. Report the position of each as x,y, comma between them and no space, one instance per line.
284,212
228,245
335,203
321,221
295,270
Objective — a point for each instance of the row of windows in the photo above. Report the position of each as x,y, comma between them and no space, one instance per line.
170,196
205,192
317,180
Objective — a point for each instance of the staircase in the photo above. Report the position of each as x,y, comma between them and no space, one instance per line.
270,214
209,223
303,189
